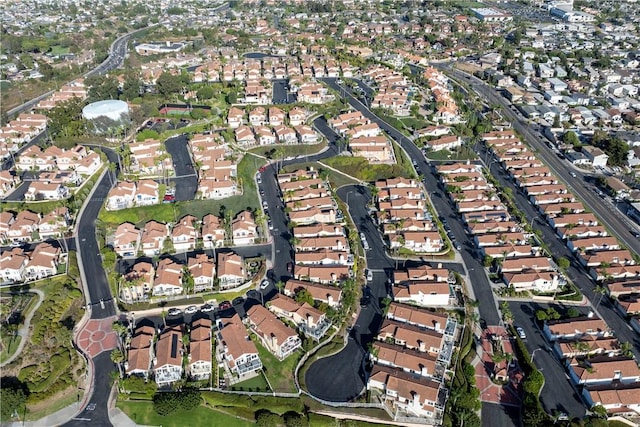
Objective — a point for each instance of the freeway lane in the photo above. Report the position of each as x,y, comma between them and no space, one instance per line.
479,281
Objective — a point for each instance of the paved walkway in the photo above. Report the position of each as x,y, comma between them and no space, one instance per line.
23,332
97,336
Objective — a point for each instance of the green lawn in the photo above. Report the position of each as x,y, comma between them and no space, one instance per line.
290,150
142,413
279,373
254,384
360,168
245,406
464,153
59,50
318,420
414,123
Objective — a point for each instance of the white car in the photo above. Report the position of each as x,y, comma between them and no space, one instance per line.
264,284
207,308
191,309
521,333
174,312
369,275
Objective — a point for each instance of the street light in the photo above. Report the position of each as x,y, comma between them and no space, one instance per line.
533,354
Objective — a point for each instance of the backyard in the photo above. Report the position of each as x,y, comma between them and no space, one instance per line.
279,373
257,383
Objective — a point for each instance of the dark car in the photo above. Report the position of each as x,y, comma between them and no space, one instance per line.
225,305
238,301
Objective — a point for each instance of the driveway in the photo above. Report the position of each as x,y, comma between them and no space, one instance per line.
186,179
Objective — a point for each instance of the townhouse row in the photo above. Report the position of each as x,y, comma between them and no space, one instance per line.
597,363
19,131
169,357
217,166
364,137
404,218
410,356
156,237
501,240
599,252
322,252
28,227
148,158
18,265
170,277
393,93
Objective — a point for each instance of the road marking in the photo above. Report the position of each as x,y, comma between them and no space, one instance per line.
81,419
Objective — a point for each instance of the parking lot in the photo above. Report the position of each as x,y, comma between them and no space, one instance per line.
281,94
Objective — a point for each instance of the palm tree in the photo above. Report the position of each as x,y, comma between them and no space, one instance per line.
117,357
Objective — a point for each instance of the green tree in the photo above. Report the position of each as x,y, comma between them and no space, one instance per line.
571,138
205,92
168,84
65,119
131,86
265,418
563,263
101,87
303,295
294,419
13,399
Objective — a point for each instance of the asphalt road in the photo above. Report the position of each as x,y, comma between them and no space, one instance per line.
495,415
186,179
338,378
96,412
479,281
281,94
557,394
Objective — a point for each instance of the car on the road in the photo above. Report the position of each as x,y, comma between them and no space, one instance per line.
225,305
264,284
521,333
634,233
573,174
192,309
174,312
258,179
270,225
458,246
369,275
207,308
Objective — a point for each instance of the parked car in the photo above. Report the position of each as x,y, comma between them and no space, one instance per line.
207,308
225,305
174,312
238,301
521,333
369,275
264,284
191,309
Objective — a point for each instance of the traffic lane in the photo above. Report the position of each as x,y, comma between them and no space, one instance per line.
358,197
340,377
496,415
282,250
96,413
557,394
479,281
186,179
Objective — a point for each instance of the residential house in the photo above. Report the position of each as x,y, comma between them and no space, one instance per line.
235,349
168,361
278,338
212,232
419,397
202,269
310,321
126,240
184,234
168,280
576,328
13,264
43,262
329,295
147,193
420,317
230,270
411,361
410,336
121,196
199,367
243,229
153,238
605,370
140,353
325,274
